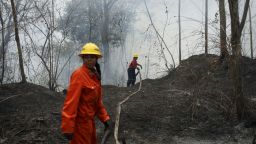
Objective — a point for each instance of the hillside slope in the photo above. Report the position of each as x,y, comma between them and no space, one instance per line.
192,102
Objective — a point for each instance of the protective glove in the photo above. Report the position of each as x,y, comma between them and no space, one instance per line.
68,136
108,125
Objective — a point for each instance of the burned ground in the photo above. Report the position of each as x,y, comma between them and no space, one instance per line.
190,105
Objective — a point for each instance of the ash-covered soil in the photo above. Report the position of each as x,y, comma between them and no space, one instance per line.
192,105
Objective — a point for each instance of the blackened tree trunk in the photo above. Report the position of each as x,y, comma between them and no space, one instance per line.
223,41
3,47
236,30
206,27
179,34
23,76
251,43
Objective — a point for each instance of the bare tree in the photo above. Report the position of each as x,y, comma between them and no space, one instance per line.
107,6
158,34
3,46
6,32
206,27
102,22
40,20
52,82
223,41
179,33
236,30
49,53
51,48
7,35
23,76
251,43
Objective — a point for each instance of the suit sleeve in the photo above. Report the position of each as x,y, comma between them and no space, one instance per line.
69,110
102,113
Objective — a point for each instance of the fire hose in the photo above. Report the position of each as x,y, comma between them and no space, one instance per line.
108,132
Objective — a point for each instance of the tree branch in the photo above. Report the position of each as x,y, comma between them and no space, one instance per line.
246,7
158,33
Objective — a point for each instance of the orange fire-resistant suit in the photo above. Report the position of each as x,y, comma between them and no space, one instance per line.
83,102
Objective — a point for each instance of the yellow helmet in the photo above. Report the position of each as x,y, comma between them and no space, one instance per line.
135,55
91,48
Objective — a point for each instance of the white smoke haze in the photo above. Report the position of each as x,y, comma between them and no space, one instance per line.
141,38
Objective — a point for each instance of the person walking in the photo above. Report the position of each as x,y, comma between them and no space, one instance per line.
131,71
84,100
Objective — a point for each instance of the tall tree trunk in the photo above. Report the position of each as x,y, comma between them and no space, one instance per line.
179,35
23,76
251,43
105,40
223,41
6,34
206,26
53,55
3,46
236,30
107,6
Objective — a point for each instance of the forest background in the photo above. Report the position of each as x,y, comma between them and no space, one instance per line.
51,34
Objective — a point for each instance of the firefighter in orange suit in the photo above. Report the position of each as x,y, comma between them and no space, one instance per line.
84,100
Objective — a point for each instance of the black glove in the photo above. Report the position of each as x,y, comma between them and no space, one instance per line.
68,136
108,125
